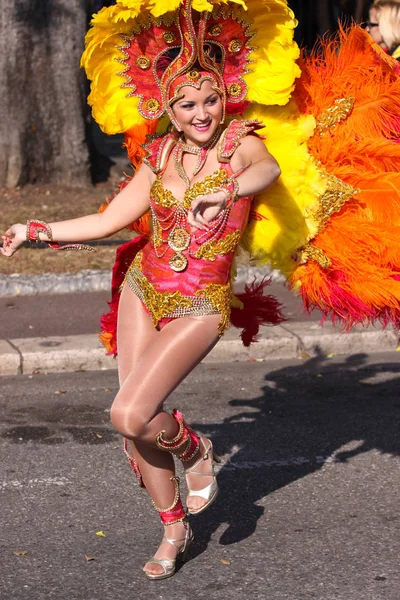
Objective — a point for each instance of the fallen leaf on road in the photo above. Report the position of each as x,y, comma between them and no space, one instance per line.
21,553
88,558
99,436
107,389
60,392
225,562
331,355
100,534
318,375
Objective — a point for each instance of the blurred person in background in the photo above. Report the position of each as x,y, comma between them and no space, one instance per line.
384,25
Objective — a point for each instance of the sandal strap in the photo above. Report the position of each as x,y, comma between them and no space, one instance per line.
165,563
208,474
208,452
206,493
172,542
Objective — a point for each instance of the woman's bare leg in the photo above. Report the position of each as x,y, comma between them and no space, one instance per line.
152,364
135,332
162,361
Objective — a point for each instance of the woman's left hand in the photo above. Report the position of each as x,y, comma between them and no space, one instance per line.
205,208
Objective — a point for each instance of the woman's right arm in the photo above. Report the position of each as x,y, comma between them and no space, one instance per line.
130,204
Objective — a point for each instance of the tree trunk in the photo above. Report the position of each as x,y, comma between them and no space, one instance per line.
43,111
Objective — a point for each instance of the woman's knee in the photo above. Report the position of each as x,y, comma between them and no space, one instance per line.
127,421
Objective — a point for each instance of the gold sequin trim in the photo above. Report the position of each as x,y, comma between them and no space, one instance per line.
161,195
164,197
333,115
220,297
210,184
311,252
210,250
337,193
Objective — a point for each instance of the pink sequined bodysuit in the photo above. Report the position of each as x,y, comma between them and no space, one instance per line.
181,271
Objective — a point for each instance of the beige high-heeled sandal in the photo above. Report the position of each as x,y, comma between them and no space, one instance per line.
169,564
210,492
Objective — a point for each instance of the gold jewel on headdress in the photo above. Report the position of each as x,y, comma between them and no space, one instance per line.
143,62
193,75
169,37
235,46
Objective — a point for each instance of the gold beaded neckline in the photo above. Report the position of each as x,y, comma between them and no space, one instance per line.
201,151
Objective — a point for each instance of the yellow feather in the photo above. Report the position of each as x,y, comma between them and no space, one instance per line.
288,205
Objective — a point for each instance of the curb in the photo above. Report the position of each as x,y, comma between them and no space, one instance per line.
297,340
95,281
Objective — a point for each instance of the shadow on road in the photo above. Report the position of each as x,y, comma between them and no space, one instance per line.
304,416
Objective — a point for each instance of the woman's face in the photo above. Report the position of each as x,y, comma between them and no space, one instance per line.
198,113
373,28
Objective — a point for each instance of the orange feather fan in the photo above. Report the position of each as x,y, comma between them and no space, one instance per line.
362,240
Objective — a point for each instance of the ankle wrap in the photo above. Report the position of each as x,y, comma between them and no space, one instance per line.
175,512
185,445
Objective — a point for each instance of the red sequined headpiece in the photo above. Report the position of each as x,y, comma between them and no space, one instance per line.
186,50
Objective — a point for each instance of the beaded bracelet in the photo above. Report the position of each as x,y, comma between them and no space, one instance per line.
232,190
34,228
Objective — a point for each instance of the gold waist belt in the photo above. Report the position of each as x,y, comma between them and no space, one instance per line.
212,300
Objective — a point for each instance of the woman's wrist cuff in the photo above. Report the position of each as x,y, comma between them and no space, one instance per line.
232,190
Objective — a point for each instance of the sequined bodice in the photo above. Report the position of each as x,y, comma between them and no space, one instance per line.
183,271
171,231
165,198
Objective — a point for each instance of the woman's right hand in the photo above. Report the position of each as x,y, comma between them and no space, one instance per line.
13,239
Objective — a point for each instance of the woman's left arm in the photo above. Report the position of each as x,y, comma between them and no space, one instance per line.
260,171
263,169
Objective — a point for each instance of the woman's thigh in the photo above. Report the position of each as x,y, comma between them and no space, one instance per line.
135,331
165,361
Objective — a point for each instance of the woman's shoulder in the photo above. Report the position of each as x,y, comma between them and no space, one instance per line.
158,148
233,135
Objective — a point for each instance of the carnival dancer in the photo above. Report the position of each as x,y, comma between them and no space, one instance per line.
185,69
197,181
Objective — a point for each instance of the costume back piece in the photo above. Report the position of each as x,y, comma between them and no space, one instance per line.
330,223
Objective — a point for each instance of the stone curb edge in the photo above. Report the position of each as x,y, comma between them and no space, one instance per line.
94,281
299,340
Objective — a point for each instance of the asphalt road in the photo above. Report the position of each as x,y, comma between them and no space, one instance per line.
308,509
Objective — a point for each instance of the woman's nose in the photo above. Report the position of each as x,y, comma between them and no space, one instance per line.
201,113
